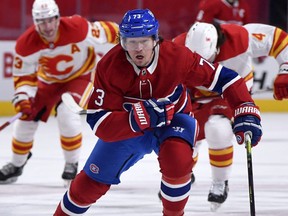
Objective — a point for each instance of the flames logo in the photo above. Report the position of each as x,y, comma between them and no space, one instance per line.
51,64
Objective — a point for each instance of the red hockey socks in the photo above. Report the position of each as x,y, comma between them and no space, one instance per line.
82,193
176,162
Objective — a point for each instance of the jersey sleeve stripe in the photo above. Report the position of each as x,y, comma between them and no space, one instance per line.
111,31
94,120
280,41
230,83
30,80
216,77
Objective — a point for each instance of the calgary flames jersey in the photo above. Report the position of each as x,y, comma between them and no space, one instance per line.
72,54
246,42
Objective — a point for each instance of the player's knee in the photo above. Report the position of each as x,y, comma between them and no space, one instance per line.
219,132
85,191
25,130
175,158
69,122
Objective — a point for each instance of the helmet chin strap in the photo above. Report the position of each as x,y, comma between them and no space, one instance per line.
156,43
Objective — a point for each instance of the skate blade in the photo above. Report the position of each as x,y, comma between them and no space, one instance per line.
67,183
214,206
9,181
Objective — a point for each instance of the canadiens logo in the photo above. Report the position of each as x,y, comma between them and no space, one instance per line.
94,168
239,139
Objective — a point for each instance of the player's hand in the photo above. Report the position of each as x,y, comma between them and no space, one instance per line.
281,83
247,119
150,114
23,103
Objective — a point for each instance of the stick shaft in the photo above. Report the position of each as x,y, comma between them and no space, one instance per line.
250,174
11,120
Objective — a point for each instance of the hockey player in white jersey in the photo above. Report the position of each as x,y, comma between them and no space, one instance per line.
54,56
233,46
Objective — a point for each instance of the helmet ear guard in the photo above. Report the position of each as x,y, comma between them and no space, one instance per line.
202,38
138,23
43,9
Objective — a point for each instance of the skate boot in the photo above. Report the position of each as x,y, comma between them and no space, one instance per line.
69,173
218,194
192,181
9,172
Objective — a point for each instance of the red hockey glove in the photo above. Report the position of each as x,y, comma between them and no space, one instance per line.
247,119
150,114
281,83
23,104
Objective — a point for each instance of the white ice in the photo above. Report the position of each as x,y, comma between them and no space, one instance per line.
40,188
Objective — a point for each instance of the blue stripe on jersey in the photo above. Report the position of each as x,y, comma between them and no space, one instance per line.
92,119
226,75
174,97
175,192
71,207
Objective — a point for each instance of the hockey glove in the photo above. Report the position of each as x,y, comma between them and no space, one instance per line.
281,83
150,114
247,119
23,104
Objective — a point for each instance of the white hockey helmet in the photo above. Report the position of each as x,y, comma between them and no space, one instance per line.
43,9
202,39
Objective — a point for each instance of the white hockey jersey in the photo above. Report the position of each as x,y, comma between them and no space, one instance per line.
71,55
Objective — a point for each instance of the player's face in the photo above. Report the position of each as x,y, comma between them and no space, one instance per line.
48,28
140,49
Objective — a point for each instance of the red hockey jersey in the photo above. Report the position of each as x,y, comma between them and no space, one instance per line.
118,82
221,11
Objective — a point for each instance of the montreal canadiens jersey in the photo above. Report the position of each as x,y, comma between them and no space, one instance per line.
221,11
119,82
71,55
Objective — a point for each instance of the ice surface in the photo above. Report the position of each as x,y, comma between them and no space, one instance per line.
39,189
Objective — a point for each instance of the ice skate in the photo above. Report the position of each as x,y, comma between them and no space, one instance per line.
69,173
9,172
192,181
218,194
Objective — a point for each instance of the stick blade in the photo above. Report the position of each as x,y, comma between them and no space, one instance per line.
69,101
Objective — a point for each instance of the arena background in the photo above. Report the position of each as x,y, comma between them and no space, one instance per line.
174,17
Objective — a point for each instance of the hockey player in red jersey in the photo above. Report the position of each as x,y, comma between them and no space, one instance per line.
233,46
142,105
224,11
55,55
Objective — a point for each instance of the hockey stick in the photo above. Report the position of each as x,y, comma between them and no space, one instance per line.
203,98
250,173
69,101
11,120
